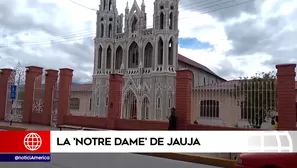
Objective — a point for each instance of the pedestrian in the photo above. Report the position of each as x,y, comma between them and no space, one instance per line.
172,120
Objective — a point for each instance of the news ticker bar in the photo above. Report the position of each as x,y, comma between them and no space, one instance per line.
148,141
25,157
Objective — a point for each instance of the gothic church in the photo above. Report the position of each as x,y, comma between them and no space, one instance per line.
147,57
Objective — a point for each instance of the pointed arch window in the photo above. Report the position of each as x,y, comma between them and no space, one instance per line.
109,31
108,58
99,57
161,20
119,57
133,55
160,51
102,31
118,27
145,109
97,100
148,55
170,52
109,6
90,105
158,104
134,25
170,21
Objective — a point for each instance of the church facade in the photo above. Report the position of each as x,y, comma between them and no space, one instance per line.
147,57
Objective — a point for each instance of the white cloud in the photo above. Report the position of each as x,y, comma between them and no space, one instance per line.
75,27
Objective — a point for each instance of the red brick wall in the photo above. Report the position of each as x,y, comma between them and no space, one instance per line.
286,106
31,74
286,96
208,127
285,91
115,124
4,77
123,124
94,122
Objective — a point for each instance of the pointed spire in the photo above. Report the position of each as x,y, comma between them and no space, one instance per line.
127,6
143,6
135,3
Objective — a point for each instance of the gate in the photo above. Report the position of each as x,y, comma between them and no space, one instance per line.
14,108
54,111
38,94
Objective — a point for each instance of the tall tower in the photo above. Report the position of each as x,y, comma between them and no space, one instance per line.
166,31
108,24
165,24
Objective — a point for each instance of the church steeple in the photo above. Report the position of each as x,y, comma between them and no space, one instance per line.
143,6
108,5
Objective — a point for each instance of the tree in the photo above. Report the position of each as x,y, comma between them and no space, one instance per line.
257,96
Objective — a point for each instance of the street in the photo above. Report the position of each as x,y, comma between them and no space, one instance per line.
106,161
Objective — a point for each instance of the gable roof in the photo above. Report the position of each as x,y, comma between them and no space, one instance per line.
197,65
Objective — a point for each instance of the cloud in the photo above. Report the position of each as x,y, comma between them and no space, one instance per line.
215,7
259,33
36,33
232,38
15,16
274,35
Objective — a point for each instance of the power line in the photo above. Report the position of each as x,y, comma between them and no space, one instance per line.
82,5
87,32
84,35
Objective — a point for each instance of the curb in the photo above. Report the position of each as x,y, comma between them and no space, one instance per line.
194,159
11,128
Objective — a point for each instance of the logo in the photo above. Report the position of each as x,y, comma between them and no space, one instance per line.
32,141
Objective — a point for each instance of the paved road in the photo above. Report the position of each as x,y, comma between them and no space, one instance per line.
106,161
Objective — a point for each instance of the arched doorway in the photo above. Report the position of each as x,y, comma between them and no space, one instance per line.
130,105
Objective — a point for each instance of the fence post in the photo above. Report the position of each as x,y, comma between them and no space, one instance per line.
286,96
64,93
183,98
115,98
50,81
31,73
4,78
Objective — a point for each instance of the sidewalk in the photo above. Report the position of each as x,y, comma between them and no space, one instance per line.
27,126
30,126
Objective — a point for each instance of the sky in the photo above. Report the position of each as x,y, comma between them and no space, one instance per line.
234,38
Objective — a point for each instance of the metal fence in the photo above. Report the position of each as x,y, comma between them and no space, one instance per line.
38,94
14,108
245,103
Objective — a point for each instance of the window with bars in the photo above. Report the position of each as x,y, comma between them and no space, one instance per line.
209,109
74,103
